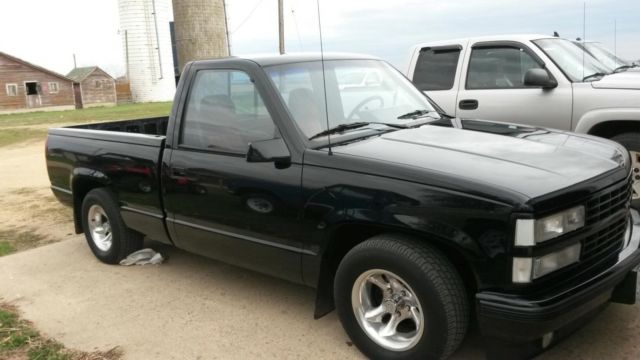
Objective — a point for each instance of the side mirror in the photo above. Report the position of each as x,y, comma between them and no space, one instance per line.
272,150
539,78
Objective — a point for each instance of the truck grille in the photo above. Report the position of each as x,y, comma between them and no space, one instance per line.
607,241
607,203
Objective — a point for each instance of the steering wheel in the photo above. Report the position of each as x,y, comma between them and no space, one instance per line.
356,110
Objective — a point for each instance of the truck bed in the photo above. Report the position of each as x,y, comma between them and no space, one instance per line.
149,126
125,155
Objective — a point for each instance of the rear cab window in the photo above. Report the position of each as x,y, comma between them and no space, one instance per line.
436,68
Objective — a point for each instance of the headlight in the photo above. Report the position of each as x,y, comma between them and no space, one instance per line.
530,232
527,269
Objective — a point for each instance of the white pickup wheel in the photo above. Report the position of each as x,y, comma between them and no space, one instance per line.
631,141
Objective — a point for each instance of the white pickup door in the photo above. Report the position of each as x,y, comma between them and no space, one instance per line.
485,80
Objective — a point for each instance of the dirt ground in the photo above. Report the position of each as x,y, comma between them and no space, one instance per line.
191,307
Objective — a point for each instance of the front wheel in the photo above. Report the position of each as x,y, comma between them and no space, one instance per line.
400,299
631,141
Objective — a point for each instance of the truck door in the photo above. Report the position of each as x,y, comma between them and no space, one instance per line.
493,88
435,72
217,203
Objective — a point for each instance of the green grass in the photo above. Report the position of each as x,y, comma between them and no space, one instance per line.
120,112
17,135
19,340
6,248
14,333
14,240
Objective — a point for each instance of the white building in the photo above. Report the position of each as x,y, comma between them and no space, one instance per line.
146,40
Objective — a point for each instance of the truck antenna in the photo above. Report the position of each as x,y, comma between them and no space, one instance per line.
584,32
324,80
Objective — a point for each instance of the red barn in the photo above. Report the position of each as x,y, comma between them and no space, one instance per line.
28,87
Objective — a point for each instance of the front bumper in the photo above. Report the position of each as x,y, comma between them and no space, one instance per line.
526,321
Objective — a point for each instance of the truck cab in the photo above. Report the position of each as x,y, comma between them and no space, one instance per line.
531,79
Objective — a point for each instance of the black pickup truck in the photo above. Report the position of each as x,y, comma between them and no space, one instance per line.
341,175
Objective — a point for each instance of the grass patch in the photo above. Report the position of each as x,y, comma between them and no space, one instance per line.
14,136
6,248
15,240
19,340
120,112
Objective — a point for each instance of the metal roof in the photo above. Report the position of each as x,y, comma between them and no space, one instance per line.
81,73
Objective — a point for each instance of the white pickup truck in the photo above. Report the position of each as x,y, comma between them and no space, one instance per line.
531,79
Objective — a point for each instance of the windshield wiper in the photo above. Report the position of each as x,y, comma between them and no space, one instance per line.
354,125
598,74
415,114
622,68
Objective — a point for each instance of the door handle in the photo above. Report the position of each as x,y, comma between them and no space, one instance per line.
468,104
178,171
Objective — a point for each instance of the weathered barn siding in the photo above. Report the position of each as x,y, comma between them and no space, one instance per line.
18,72
123,92
98,89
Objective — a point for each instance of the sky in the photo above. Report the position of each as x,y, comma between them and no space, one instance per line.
48,33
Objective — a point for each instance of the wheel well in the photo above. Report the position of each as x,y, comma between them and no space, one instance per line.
81,188
347,237
612,128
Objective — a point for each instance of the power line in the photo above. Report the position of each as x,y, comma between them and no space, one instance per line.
248,16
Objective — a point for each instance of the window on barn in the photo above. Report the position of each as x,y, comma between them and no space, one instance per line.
98,84
12,89
53,88
32,88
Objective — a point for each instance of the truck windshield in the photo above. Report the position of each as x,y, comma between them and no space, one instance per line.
358,91
577,64
605,56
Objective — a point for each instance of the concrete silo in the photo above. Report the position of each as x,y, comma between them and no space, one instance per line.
200,30
144,28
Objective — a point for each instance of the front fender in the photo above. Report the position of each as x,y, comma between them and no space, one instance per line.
596,117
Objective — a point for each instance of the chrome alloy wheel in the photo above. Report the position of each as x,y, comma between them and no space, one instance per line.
260,205
635,169
387,309
100,228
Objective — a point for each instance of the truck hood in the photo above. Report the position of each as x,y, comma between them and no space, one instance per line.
529,161
622,80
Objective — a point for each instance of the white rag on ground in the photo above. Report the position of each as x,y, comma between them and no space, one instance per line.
143,257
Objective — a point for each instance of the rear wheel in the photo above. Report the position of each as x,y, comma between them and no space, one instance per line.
631,141
108,237
400,299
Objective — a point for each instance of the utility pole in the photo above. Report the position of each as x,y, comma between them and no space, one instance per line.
281,25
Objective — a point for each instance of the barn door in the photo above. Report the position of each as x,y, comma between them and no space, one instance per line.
33,94
78,95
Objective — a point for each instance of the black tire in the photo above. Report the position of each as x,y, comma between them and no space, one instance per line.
631,141
435,281
123,240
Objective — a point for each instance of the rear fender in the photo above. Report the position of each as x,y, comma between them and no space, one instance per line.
82,181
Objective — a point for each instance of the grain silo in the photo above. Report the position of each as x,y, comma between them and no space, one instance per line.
144,28
200,30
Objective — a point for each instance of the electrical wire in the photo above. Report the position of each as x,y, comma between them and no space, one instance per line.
248,16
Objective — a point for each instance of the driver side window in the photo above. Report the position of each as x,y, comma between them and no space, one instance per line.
225,113
499,68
